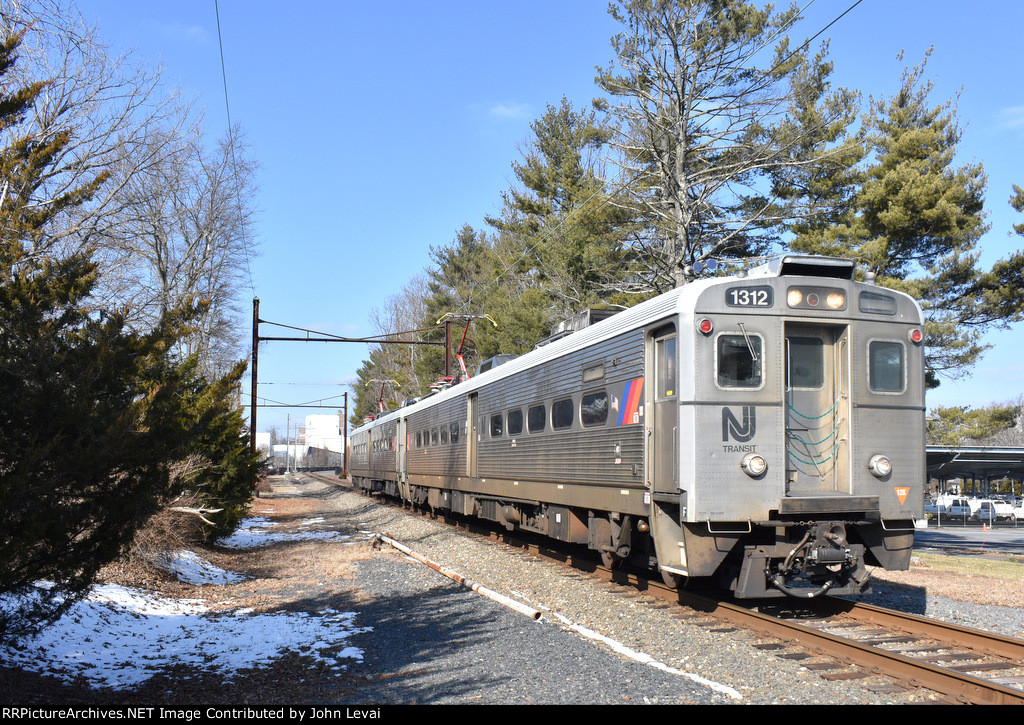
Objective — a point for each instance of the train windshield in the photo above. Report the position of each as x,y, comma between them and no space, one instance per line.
739,361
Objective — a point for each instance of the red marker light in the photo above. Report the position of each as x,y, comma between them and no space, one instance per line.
916,336
705,326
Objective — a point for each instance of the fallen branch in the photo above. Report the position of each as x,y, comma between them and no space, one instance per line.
197,512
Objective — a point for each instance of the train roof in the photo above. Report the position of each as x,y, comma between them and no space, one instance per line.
661,306
665,304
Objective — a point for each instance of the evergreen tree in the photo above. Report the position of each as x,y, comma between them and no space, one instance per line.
1017,202
225,484
562,221
92,414
966,426
465,278
915,222
819,183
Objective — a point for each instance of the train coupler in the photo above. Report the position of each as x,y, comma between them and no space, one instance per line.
822,562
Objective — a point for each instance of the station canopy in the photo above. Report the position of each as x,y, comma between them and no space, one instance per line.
977,462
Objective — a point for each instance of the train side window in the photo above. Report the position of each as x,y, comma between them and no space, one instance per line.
665,362
806,362
536,418
444,436
886,369
561,414
515,422
433,437
419,440
594,408
453,433
496,428
739,361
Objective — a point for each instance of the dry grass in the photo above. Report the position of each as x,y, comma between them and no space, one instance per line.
990,581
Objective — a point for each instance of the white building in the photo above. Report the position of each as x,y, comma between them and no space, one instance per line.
263,442
324,431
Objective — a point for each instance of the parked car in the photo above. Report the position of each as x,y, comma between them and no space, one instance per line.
959,508
992,510
938,504
1017,512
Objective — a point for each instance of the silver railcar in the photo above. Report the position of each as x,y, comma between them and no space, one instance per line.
765,430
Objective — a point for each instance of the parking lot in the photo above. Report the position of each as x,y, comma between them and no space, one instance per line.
971,537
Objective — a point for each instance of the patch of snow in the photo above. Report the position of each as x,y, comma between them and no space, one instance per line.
191,568
254,532
119,637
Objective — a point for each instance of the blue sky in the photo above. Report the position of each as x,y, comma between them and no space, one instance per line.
382,128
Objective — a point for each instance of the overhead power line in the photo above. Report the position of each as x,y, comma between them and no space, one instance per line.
234,159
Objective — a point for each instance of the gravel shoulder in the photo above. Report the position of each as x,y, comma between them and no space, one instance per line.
429,640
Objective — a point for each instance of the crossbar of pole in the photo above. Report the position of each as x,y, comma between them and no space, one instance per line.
297,405
257,339
366,340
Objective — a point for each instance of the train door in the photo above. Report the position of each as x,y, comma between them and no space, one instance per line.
817,409
472,444
401,448
664,423
662,433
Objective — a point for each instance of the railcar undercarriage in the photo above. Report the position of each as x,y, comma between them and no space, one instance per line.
801,559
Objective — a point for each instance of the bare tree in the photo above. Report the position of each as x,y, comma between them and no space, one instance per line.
183,231
172,219
108,103
401,312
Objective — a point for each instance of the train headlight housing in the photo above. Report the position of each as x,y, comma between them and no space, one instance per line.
880,466
754,465
816,298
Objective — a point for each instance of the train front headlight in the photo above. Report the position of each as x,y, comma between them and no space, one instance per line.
880,466
836,300
754,465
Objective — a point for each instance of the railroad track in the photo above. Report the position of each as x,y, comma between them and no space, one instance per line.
852,640
845,640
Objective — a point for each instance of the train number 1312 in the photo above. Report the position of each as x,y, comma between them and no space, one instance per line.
749,297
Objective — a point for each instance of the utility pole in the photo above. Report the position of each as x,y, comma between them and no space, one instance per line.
255,360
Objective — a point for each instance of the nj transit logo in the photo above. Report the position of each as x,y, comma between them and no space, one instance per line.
732,428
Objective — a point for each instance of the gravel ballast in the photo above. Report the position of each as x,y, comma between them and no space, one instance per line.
429,640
